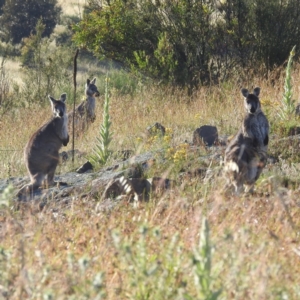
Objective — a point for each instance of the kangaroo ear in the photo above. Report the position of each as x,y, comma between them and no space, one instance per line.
88,81
93,81
63,97
256,91
245,92
51,99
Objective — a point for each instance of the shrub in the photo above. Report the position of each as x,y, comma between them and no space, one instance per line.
191,43
19,18
47,68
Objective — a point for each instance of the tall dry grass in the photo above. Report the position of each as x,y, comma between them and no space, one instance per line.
79,251
220,105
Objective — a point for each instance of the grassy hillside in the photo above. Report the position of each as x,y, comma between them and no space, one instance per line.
193,242
152,251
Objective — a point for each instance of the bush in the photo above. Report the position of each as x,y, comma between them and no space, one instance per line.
191,42
19,18
47,68
156,39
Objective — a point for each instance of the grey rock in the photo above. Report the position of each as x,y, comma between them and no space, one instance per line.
87,166
80,185
206,134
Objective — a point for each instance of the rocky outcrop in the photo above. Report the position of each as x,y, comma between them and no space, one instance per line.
86,184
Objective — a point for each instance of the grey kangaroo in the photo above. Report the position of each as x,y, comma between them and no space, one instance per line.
85,111
255,125
246,154
41,152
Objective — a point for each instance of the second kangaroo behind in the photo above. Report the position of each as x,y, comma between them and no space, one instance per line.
41,152
85,111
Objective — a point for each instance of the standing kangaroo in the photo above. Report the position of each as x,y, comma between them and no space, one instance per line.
255,125
85,111
246,154
41,152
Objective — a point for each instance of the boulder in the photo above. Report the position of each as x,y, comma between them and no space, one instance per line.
206,134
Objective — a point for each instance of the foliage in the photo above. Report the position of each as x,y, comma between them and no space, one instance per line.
6,196
67,250
202,265
63,34
156,39
101,152
46,68
277,30
150,276
2,2
6,102
19,18
287,110
191,42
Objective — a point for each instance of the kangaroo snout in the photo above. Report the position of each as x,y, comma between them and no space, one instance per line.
252,109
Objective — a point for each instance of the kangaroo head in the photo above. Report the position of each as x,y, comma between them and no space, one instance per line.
58,106
91,89
251,101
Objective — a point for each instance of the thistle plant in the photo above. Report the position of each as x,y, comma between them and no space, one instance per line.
288,103
101,152
202,266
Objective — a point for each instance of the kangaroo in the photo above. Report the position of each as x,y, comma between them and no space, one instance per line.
255,125
85,111
246,154
243,163
41,151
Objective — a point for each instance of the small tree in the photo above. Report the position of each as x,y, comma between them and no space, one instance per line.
19,18
46,67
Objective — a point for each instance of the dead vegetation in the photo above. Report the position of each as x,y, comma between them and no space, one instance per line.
151,250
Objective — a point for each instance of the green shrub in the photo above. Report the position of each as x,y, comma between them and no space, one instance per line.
191,42
19,18
47,68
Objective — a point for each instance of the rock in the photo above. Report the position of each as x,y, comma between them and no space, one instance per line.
206,134
89,184
85,167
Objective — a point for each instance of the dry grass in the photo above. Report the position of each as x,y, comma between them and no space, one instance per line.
62,251
74,251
